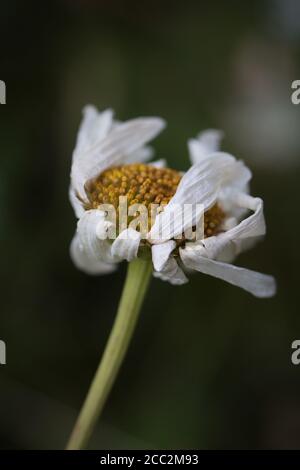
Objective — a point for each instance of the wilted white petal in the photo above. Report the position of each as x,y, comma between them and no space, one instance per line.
260,285
229,223
121,141
126,244
240,237
85,263
141,155
93,128
75,202
91,230
102,229
200,185
161,254
171,273
252,226
205,144
237,181
216,247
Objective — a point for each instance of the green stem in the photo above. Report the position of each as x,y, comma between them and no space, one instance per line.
135,287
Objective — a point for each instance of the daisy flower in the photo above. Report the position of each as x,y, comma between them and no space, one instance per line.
110,161
110,169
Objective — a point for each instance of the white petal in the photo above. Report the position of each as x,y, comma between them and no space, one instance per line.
260,285
93,128
229,223
121,141
126,244
75,202
226,246
171,273
252,226
161,163
199,185
141,155
91,229
174,221
90,265
161,254
206,143
206,146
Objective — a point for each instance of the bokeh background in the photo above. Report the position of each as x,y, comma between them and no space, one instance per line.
210,366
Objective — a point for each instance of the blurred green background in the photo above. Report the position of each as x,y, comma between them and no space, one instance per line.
210,366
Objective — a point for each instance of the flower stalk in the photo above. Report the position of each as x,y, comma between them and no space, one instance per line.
135,288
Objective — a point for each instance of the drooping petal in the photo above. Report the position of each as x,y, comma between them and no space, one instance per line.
260,285
161,254
126,244
122,140
85,263
171,273
242,236
249,231
252,226
206,143
92,231
200,185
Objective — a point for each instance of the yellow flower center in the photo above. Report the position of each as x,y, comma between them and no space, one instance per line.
143,184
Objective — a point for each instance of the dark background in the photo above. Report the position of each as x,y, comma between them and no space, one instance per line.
209,366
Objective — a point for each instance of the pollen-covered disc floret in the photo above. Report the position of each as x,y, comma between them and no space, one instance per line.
143,184
213,219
